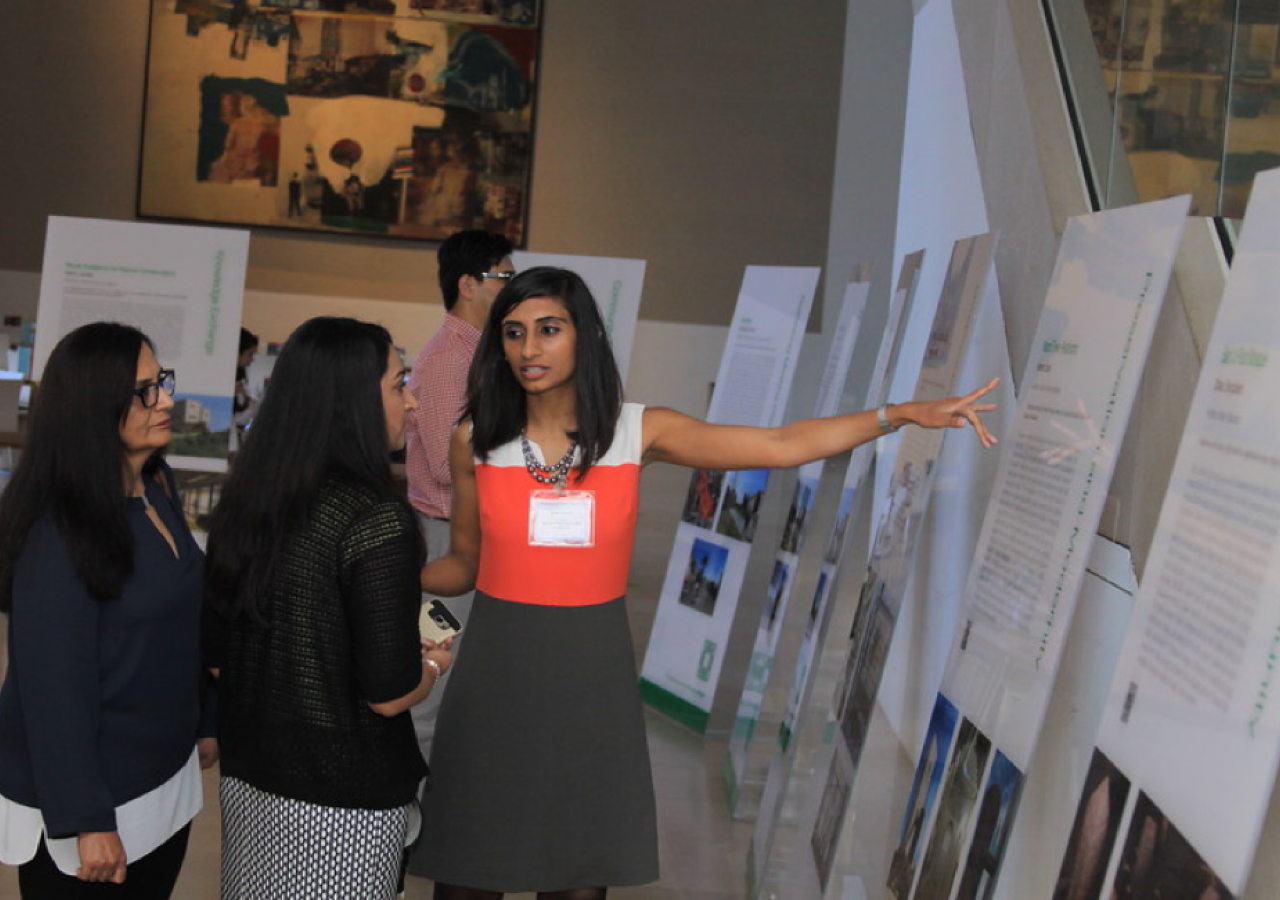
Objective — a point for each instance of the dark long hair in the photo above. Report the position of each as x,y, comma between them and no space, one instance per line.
322,416
72,466
496,401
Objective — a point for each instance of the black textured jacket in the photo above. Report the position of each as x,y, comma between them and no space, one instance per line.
341,633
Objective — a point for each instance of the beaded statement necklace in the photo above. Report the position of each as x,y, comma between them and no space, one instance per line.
558,473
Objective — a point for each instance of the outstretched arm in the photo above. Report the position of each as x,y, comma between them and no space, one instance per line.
676,438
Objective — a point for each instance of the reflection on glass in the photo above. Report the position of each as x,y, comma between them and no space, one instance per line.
1194,93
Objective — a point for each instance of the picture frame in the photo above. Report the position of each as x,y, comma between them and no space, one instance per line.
407,119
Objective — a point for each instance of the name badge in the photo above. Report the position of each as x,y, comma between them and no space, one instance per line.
562,519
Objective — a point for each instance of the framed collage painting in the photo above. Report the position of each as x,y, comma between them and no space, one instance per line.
402,118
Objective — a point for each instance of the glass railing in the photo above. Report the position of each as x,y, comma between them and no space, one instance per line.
1186,100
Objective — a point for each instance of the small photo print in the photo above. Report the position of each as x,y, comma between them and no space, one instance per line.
201,425
1097,823
703,497
1159,862
703,576
920,802
798,514
991,827
778,582
831,816
199,493
871,649
743,494
956,808
835,543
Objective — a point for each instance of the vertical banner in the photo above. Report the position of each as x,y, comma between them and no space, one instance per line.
615,283
1174,800
895,538
713,541
787,557
182,286
1103,300
778,776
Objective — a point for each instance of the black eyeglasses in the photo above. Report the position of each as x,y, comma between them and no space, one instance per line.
149,393
501,276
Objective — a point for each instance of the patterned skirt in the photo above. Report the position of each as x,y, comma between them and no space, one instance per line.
276,847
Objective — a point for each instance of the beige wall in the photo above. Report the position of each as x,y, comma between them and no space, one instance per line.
698,136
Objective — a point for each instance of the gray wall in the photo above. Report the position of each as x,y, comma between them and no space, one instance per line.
699,136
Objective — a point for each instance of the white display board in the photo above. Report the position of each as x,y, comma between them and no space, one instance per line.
182,286
1187,751
713,541
616,284
1090,347
779,773
787,557
895,539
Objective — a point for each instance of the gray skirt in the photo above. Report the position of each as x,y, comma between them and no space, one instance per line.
540,766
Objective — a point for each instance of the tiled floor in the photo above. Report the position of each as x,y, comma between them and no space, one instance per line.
703,851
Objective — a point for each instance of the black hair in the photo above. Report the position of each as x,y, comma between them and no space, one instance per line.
468,253
73,464
496,401
247,340
322,416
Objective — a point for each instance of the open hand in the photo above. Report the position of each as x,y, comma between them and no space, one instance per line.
955,412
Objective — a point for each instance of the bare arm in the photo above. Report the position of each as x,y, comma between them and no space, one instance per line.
455,573
676,438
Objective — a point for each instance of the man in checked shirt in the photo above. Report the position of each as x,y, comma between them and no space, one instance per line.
473,267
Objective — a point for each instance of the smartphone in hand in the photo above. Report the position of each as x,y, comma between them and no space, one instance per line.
436,622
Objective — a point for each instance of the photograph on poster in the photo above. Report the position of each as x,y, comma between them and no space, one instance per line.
798,514
920,801
740,511
872,591
831,811
702,577
815,609
899,519
342,116
703,497
1157,861
200,492
871,648
772,598
990,830
956,807
201,425
1094,832
836,542
941,344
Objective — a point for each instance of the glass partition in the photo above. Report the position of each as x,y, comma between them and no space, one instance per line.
1190,96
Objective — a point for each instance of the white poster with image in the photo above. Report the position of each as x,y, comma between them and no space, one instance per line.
1056,462
1187,753
182,286
787,557
713,541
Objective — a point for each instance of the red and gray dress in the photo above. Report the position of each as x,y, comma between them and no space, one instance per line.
540,768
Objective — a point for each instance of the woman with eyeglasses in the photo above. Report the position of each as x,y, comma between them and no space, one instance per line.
312,627
104,725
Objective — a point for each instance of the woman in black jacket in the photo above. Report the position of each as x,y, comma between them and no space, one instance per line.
101,710
312,600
